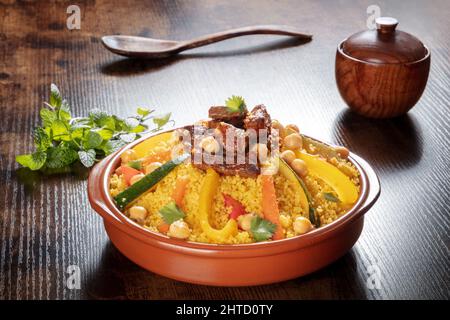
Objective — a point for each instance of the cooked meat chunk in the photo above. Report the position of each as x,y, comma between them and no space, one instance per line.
243,170
258,119
221,113
225,156
224,131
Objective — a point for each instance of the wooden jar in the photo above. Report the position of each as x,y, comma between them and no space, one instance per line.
382,73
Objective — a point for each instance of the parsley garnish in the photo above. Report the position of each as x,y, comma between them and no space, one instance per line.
171,213
331,197
236,104
64,140
262,229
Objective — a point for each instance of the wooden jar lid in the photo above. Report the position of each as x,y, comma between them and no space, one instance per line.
384,45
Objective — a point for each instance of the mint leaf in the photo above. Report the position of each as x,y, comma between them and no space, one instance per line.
162,120
92,140
262,229
47,117
41,139
108,123
105,133
143,111
113,145
236,104
139,128
87,158
59,130
97,115
131,123
171,213
128,137
64,111
55,96
60,156
34,161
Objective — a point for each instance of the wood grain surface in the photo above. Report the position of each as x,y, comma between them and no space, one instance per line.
48,225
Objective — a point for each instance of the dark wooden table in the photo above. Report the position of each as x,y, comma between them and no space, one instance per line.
46,229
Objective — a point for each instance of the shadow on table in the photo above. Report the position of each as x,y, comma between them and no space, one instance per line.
391,144
118,278
127,67
31,180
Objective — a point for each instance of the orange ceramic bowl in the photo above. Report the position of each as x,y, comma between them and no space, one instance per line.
230,265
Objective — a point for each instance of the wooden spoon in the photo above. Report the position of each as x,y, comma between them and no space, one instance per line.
141,47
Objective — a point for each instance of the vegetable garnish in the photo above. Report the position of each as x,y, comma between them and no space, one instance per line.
262,229
236,104
329,196
269,204
237,209
135,164
171,213
128,173
64,140
147,182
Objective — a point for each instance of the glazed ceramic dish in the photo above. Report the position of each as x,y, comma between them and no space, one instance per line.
216,264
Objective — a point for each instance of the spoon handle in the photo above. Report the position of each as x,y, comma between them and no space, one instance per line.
233,33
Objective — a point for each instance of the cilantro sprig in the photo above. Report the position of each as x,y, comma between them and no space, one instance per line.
262,229
171,213
64,140
236,104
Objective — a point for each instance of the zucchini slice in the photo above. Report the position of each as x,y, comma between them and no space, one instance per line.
305,196
147,182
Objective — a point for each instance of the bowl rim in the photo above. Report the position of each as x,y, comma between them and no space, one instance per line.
366,199
341,51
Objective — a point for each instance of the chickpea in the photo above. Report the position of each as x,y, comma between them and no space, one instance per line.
302,225
128,155
342,151
288,131
278,126
285,221
292,127
138,213
261,151
210,145
179,229
152,166
136,178
245,221
299,167
288,156
293,141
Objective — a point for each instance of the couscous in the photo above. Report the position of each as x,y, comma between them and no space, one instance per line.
294,185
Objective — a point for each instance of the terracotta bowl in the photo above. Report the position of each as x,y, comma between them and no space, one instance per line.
380,90
230,265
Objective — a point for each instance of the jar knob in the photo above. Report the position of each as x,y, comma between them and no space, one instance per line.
386,24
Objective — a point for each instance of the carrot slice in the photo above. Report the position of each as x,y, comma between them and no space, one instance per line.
128,173
180,190
163,227
270,205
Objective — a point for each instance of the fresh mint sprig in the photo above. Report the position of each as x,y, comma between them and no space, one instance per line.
63,140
